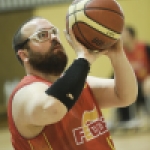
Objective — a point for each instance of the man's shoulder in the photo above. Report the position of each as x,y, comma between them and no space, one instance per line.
31,88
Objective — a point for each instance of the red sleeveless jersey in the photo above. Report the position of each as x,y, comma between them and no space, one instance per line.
82,128
139,61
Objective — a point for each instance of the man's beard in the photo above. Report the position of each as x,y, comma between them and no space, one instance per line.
53,62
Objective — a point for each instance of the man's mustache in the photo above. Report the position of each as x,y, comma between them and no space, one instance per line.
55,44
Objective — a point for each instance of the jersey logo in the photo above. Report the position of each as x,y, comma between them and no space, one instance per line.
92,126
70,96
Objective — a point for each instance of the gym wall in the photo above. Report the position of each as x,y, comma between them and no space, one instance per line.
136,14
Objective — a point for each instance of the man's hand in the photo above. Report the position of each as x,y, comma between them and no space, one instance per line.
80,50
115,49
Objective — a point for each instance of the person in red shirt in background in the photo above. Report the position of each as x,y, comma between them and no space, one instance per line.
138,54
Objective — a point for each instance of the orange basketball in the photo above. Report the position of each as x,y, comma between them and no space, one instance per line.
97,24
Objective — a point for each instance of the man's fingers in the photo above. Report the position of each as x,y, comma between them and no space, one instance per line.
67,37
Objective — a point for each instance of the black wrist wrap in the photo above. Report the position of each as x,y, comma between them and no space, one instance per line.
69,87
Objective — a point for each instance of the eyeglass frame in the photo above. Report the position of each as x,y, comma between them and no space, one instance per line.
31,37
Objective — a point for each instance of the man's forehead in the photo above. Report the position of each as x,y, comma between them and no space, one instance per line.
36,24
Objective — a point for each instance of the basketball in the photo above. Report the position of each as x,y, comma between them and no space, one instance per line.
97,24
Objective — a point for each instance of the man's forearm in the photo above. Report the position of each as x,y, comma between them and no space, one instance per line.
125,81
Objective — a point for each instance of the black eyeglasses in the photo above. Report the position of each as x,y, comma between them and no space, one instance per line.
40,36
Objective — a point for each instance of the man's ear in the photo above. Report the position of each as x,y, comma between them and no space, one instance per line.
23,54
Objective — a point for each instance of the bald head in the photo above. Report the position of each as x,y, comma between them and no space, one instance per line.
27,29
34,25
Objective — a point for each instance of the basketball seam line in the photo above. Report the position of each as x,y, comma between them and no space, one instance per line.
97,9
101,8
80,29
97,30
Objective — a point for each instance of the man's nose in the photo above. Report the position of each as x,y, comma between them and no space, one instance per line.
53,36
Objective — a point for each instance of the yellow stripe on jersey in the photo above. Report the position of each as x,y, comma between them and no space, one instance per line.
49,145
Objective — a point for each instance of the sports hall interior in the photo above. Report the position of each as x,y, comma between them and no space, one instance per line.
136,14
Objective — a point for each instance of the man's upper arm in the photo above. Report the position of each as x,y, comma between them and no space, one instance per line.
35,107
103,91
